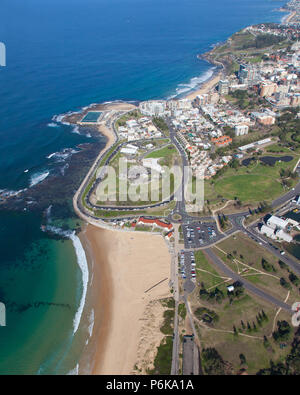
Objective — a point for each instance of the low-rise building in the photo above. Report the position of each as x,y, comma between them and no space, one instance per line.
241,130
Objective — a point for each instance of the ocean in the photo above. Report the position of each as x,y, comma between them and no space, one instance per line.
63,55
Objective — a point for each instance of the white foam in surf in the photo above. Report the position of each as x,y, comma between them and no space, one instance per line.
38,177
194,83
52,125
91,322
5,193
63,155
76,130
74,372
82,263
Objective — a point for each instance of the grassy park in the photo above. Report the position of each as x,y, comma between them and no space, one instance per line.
236,325
251,184
258,266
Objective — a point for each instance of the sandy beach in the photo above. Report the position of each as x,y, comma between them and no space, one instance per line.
289,18
126,267
206,87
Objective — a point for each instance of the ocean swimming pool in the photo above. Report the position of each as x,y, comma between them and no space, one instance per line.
91,117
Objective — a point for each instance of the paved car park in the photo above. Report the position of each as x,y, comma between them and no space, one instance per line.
200,234
187,268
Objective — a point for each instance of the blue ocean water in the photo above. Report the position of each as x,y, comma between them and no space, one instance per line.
63,55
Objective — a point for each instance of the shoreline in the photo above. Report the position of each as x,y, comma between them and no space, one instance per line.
206,86
119,261
290,14
101,294
109,334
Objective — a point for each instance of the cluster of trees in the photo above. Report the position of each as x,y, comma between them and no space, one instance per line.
294,279
212,361
292,276
242,97
286,177
263,41
261,318
266,40
268,267
291,364
263,207
132,114
215,295
284,283
218,296
206,315
237,292
161,124
283,332
288,125
282,264
223,220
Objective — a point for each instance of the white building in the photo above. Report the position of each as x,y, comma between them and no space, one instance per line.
128,151
277,223
241,130
269,232
153,107
282,235
152,163
276,234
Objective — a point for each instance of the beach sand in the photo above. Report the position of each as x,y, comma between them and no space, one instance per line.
206,87
126,264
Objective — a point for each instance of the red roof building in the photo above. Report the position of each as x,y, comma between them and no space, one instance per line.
156,222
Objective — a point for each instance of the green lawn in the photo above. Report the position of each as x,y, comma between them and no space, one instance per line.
251,184
162,153
206,274
277,148
248,187
250,253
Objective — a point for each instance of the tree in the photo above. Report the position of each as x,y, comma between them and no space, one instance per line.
283,332
294,279
235,332
213,363
266,342
242,359
285,284
258,321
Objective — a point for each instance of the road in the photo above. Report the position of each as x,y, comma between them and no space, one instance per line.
250,287
202,241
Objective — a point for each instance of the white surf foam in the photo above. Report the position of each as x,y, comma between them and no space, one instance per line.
82,263
62,155
193,84
5,193
74,372
64,168
91,322
76,129
38,177
51,155
52,125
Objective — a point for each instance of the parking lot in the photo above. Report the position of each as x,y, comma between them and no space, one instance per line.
187,269
199,234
